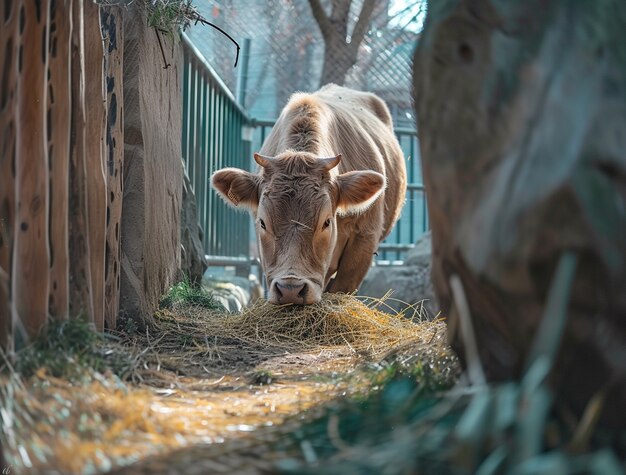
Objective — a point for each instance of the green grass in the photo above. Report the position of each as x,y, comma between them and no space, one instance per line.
262,378
187,294
406,427
72,349
69,349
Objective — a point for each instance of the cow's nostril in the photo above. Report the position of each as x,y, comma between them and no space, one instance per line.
279,294
303,291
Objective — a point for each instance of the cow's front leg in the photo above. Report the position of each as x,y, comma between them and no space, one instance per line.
354,263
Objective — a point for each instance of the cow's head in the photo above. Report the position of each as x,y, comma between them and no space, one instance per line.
295,200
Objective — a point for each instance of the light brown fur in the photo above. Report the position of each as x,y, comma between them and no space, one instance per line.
294,194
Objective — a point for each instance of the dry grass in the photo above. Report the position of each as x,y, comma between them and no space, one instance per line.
338,319
201,376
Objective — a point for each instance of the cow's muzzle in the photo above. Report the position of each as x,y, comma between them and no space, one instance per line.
292,290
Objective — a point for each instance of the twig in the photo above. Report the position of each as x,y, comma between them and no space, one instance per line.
302,224
205,22
474,367
433,337
167,65
588,422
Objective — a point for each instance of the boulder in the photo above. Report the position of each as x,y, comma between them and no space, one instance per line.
409,283
231,291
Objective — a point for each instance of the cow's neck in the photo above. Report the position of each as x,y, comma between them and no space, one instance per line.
306,131
304,142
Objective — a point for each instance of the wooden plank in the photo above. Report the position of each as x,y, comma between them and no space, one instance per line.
59,115
8,106
31,254
80,298
94,158
112,31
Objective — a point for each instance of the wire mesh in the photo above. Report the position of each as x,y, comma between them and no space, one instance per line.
287,50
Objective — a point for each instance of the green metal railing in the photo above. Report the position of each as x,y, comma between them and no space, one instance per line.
214,129
414,220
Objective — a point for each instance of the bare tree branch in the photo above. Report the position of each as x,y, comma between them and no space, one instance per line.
321,18
363,23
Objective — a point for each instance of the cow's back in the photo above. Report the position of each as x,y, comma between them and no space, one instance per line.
362,131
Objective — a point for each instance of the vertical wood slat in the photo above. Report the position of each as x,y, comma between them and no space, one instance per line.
59,126
53,189
31,253
112,31
94,158
8,107
80,298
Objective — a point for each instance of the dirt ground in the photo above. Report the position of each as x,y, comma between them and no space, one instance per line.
202,397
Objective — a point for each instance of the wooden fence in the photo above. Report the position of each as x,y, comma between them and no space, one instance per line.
61,156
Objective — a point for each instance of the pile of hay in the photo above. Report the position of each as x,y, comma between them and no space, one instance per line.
337,320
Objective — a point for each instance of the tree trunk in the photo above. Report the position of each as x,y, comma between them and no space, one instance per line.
339,57
522,114
94,158
339,54
80,273
150,226
8,107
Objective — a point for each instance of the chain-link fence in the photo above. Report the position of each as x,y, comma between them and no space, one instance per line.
287,49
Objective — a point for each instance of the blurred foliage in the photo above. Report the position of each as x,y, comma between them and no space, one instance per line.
171,16
516,427
404,428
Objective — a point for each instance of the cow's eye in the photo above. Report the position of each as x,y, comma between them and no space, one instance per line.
326,223
262,224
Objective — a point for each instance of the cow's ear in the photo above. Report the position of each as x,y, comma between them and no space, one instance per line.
237,187
358,190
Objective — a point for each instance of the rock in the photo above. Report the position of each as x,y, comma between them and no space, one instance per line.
421,254
409,282
150,229
192,261
232,292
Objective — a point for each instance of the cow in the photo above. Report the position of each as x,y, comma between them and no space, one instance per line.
330,184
